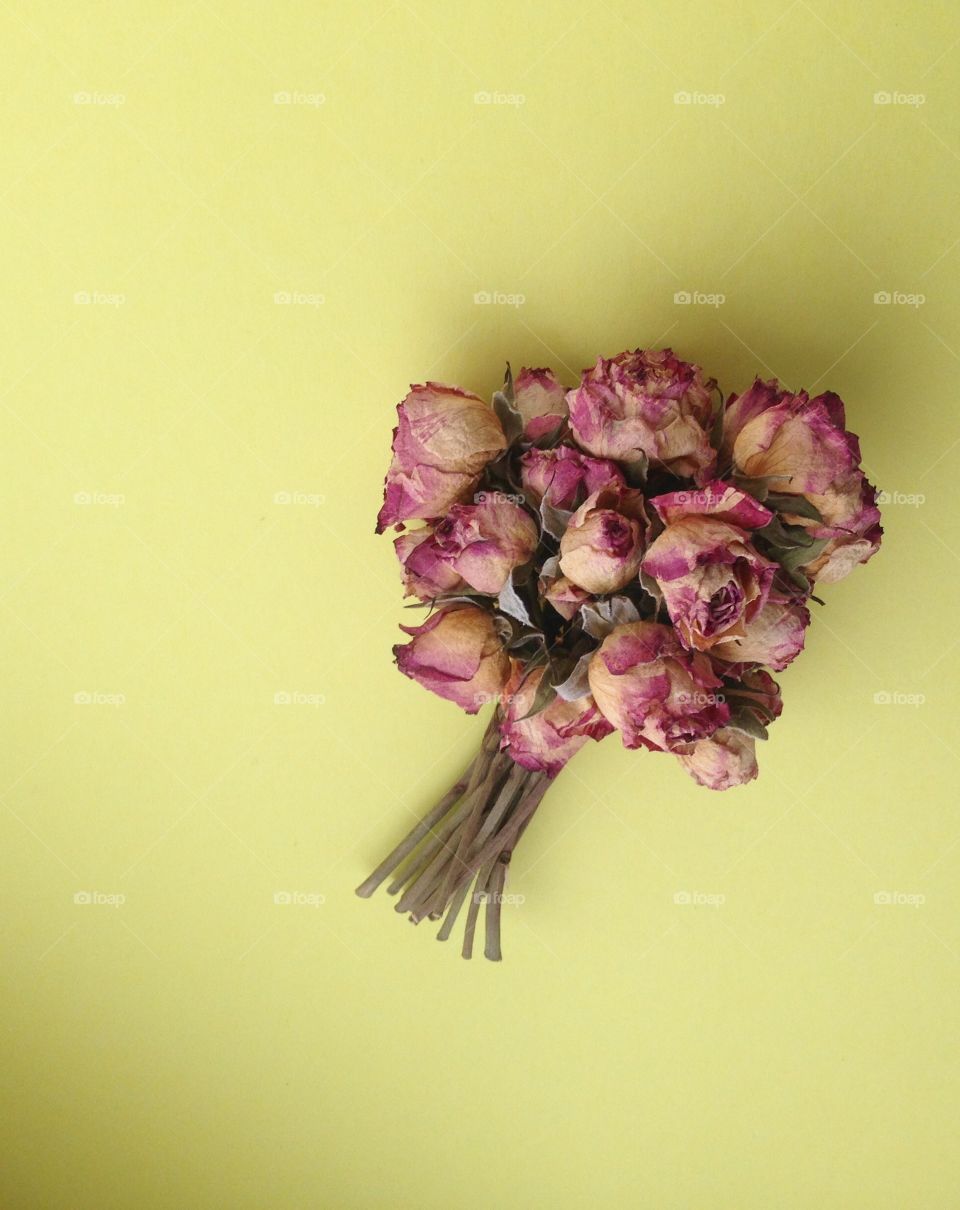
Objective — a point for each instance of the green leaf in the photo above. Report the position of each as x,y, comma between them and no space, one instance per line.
799,506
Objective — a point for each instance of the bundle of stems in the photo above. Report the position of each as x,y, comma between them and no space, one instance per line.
465,841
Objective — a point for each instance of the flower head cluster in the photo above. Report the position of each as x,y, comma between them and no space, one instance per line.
631,554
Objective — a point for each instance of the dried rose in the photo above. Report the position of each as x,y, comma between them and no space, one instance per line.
564,476
714,581
475,546
444,438
546,740
774,636
725,759
603,544
655,692
456,654
541,401
799,446
646,404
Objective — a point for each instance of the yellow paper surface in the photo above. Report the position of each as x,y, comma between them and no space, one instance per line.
232,234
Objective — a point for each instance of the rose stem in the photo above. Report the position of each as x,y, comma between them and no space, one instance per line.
472,913
491,948
427,864
494,807
456,903
466,782
413,838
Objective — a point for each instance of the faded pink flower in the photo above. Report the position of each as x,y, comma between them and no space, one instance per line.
646,404
725,501
564,476
800,446
444,438
545,741
725,759
714,581
565,596
603,543
774,636
541,401
655,692
475,546
456,654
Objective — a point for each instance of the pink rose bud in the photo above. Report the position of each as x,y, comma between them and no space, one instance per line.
850,526
443,440
714,582
646,404
603,543
565,596
564,476
727,758
545,741
800,447
654,691
456,654
541,401
475,546
774,636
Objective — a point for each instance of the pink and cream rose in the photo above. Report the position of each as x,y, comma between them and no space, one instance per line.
475,546
444,438
456,654
541,401
799,446
546,740
564,476
714,581
725,759
656,693
646,404
774,636
603,544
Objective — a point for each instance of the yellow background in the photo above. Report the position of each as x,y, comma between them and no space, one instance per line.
198,1045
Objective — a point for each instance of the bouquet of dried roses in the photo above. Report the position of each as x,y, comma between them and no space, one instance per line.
632,554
